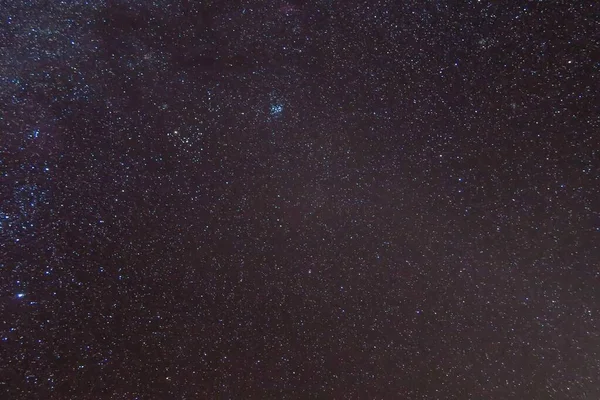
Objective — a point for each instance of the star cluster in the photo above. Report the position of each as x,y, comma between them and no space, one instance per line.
299,199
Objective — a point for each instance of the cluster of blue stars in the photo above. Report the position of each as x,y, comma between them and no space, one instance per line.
276,109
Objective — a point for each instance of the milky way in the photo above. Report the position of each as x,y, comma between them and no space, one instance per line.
299,199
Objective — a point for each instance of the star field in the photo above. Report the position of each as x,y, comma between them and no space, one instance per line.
299,200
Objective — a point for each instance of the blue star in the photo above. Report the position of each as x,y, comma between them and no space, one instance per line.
20,295
35,134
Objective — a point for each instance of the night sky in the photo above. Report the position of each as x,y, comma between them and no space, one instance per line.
299,200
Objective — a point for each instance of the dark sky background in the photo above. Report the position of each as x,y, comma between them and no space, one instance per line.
299,200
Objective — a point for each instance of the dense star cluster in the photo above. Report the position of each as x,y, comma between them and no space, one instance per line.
299,199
